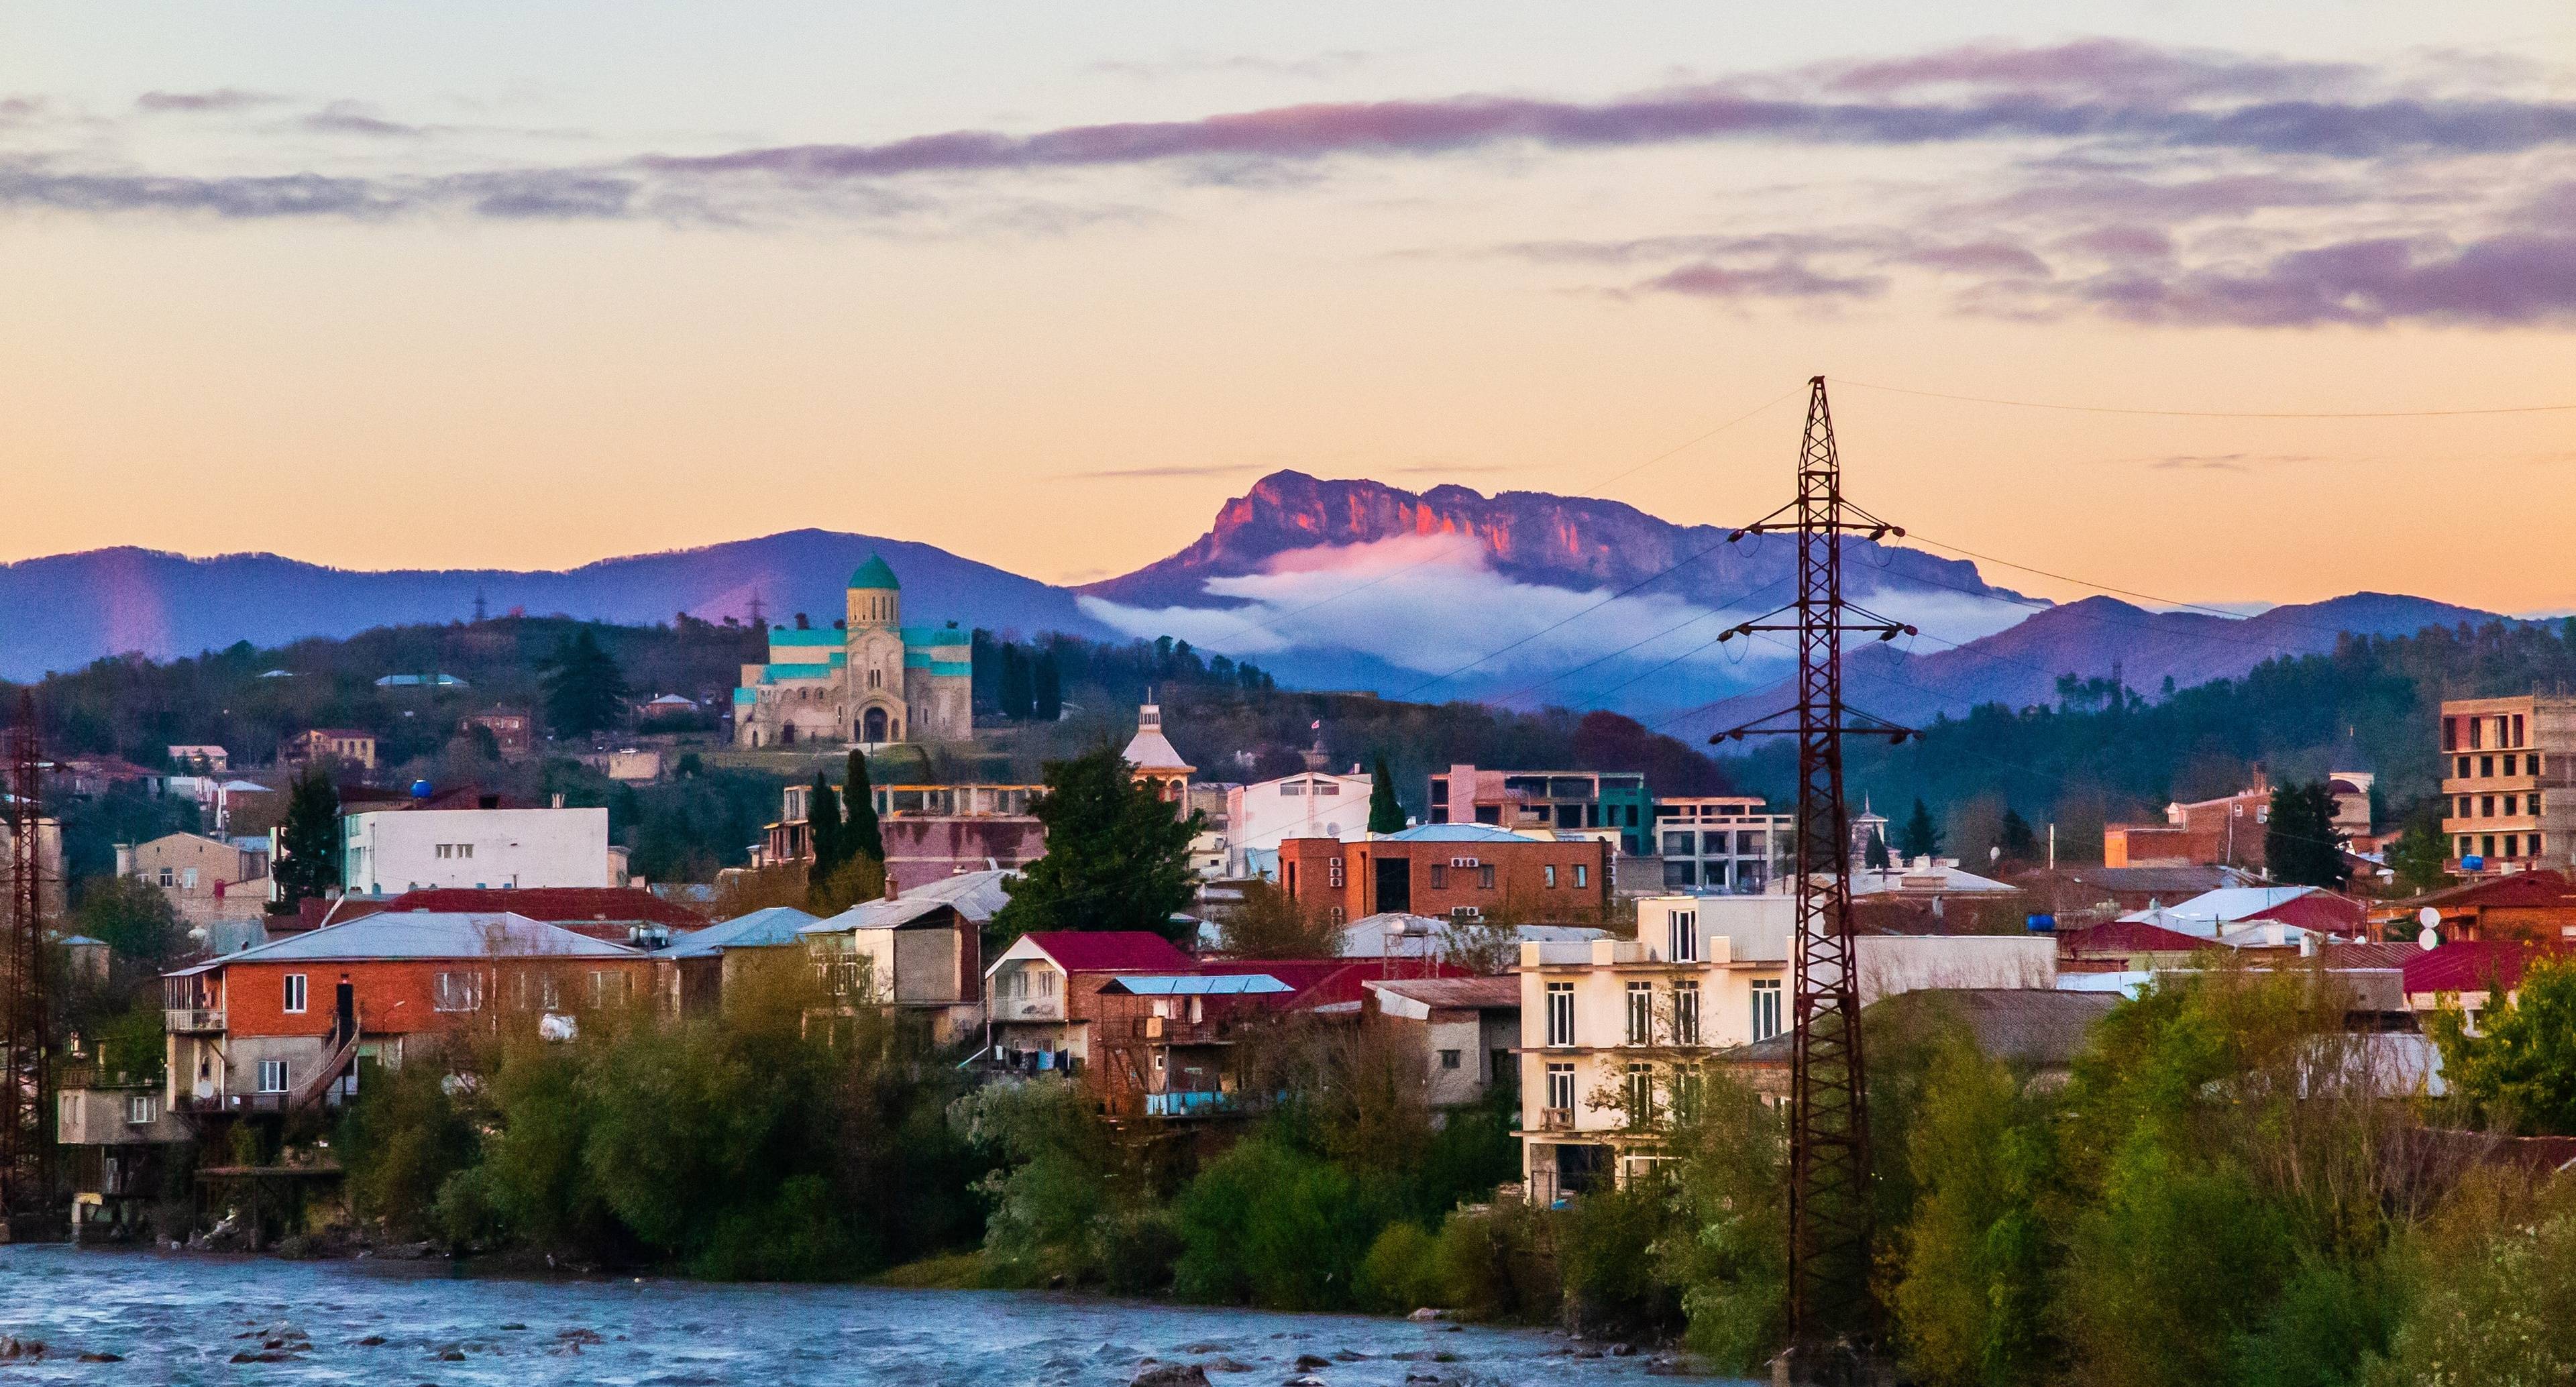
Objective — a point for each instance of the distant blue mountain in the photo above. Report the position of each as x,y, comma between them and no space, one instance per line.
64,611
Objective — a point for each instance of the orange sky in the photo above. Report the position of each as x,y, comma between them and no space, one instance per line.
973,357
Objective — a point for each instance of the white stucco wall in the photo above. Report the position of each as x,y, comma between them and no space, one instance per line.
398,850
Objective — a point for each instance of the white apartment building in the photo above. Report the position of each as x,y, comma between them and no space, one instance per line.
1612,1029
1310,804
393,850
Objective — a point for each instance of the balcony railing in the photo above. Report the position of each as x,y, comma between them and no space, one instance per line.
1028,1008
1556,1119
1174,1031
193,1020
1187,1103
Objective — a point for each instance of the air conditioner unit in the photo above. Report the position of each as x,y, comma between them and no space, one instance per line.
1462,862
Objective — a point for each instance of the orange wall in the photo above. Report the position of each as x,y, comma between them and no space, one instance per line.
395,996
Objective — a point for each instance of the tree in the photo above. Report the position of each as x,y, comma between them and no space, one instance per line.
134,919
1018,690
1117,857
2519,1070
2421,856
861,837
1386,815
1269,923
1874,856
308,848
1919,838
584,690
2300,842
2019,843
1050,687
823,827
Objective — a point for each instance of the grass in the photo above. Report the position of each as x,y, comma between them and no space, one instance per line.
948,1271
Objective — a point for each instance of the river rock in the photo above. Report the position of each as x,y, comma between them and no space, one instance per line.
1344,1355
1227,1365
1427,1313
1171,1375
1307,1362
14,1349
266,1355
372,1341
1623,1350
95,1356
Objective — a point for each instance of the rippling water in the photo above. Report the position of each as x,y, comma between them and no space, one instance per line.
182,1319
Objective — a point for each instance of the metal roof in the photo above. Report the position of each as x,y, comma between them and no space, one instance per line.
978,896
761,929
873,574
1197,984
425,934
1456,833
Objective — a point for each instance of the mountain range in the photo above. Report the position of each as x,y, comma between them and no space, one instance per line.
1525,598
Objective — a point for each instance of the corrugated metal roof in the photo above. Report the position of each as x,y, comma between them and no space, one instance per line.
1196,984
761,929
1464,994
1455,833
423,934
978,896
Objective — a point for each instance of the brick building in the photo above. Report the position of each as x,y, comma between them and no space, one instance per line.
513,733
348,745
2509,773
1458,870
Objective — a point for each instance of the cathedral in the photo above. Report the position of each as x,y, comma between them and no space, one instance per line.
874,682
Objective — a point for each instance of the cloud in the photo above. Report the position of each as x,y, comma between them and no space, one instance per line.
354,118
219,99
2124,68
2511,279
1211,469
1786,279
1313,66
2225,462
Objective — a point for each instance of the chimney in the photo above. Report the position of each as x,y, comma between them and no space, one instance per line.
558,799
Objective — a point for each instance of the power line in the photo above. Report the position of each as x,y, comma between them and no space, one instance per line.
2211,413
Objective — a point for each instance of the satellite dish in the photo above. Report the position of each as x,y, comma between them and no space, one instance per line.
2429,918
2429,939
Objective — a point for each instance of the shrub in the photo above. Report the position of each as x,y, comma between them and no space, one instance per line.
1401,1271
1612,1283
1499,1264
401,1142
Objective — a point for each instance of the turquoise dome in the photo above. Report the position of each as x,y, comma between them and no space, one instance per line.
874,574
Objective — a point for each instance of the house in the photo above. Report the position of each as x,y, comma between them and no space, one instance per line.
415,846
1464,1029
347,745
930,832
613,914
1421,936
873,682
116,1135
2536,905
1039,992
2259,916
202,758
204,878
2127,946
280,1026
2075,895
1154,761
920,951
422,681
1310,804
626,765
1163,1044
1925,892
2509,779
1459,870
1721,843
513,730
2468,975
694,973
1567,800
2037,1032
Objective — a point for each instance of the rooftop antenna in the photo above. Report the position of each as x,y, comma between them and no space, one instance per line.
1832,1321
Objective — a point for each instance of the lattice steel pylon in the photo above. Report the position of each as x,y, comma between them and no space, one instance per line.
1830,1310
25,1154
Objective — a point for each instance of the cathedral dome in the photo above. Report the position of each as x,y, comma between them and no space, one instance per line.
874,574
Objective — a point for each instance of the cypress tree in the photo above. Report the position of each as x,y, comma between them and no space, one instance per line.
2019,843
1050,688
861,837
1386,815
308,860
2300,843
1017,694
584,690
1874,856
823,823
1920,838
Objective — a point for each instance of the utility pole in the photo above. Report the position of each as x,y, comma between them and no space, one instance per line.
25,1154
1832,1322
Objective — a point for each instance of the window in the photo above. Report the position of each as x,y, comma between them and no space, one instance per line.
1766,1008
2464,768
168,878
2517,730
1560,1087
550,993
1686,1013
1484,878
188,879
2450,734
1439,875
294,993
608,989
1677,845
140,1109
1641,1013
2512,805
2464,806
1293,789
272,1076
2486,767
1581,875
2477,730
1560,1013
2512,841
1326,787
1551,877
1684,928
1448,1059
1641,1094
457,992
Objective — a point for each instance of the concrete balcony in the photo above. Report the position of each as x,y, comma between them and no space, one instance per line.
1028,1008
193,1020
1556,1119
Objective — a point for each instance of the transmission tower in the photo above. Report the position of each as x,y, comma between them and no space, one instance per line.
25,1155
1830,1313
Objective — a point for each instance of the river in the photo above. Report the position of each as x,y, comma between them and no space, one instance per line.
176,1318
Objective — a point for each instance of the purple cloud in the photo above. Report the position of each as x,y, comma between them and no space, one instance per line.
2124,68
2500,281
1785,279
220,99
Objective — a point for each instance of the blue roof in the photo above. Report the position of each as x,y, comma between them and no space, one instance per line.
1199,984
761,929
1456,833
789,635
874,574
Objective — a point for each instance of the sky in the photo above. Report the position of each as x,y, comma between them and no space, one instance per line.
480,284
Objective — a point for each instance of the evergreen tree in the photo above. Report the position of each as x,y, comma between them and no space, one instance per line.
1018,694
1386,815
584,690
2421,856
1919,838
308,856
1050,687
1874,856
2300,843
861,837
823,826
1116,858
2019,843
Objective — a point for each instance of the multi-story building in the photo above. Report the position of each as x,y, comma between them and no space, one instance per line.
513,731
347,745
874,682
1460,870
1568,800
201,758
281,1025
383,851
205,878
1040,992
920,951
1721,844
1309,804
1464,1029
2509,772
2228,831
931,832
